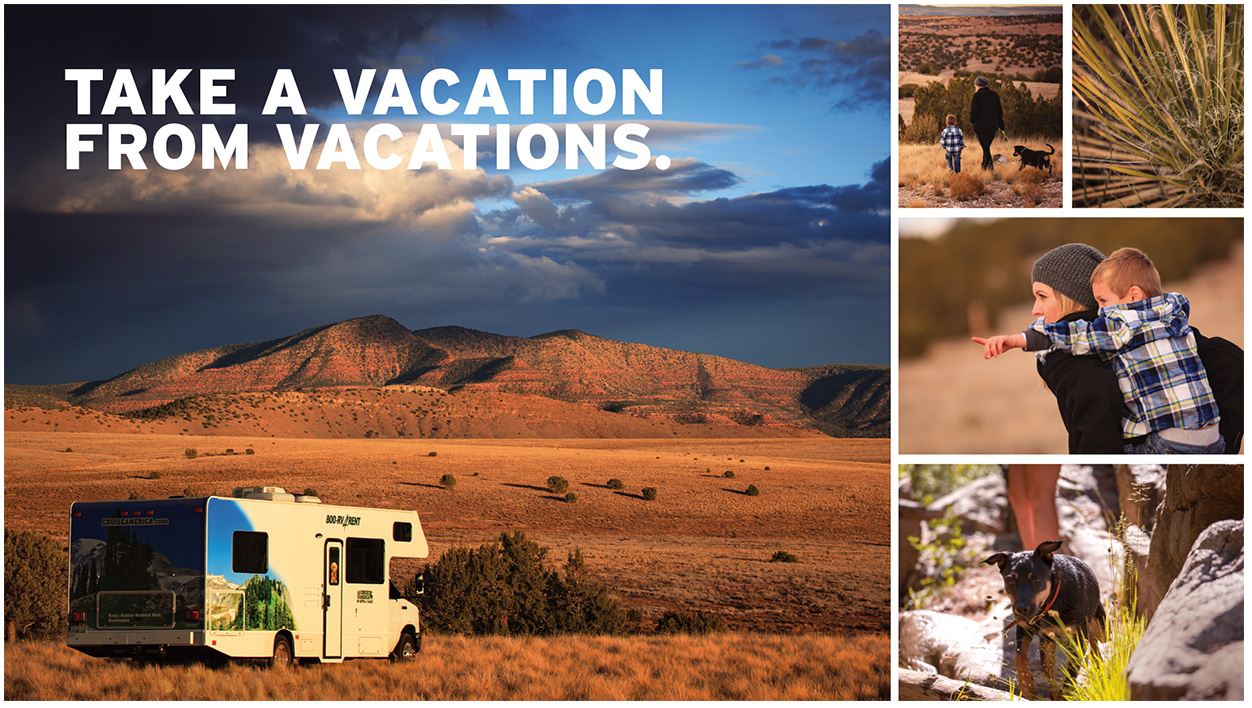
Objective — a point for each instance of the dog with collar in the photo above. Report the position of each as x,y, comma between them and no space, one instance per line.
1034,158
1053,595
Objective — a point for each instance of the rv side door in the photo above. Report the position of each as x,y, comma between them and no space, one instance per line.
332,600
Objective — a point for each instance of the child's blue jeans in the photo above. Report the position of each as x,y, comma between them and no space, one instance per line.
1156,445
954,160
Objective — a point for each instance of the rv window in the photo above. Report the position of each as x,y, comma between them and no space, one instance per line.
365,561
250,552
402,531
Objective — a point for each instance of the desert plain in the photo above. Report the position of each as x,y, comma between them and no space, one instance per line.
702,544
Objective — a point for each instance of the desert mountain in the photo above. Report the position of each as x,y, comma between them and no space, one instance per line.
571,371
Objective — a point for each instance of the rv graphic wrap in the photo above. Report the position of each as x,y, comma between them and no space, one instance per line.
243,599
137,565
222,575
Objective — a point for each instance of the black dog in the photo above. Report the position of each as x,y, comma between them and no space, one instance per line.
1034,158
1052,595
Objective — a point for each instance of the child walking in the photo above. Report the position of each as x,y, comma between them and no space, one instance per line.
1144,335
952,140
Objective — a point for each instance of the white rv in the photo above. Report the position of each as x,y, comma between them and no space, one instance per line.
260,575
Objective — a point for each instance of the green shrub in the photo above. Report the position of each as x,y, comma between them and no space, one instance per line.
190,453
1024,114
752,491
649,493
432,454
34,585
135,496
154,475
249,451
615,483
504,588
557,484
783,557
1162,101
728,474
1050,75
570,498
699,622
447,481
229,451
309,492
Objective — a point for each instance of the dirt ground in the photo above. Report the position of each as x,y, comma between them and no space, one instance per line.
952,401
926,182
703,544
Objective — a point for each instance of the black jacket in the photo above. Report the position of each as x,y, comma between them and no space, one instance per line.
1223,364
1087,397
1091,405
985,112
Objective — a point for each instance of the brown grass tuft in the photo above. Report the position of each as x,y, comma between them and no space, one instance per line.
1030,175
965,186
1031,193
917,204
730,667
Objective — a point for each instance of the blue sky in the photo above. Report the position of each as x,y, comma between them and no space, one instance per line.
767,239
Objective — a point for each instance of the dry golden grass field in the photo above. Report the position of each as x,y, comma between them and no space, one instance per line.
926,182
703,544
741,667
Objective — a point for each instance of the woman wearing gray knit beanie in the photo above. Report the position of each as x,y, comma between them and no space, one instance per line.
1087,394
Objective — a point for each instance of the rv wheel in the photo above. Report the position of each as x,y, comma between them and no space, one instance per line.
406,649
283,657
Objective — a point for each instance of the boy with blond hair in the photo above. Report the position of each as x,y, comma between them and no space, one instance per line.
1144,335
952,140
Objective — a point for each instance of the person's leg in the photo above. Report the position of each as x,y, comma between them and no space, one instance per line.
956,160
985,140
1032,494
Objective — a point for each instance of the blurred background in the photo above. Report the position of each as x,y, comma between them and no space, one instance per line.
971,277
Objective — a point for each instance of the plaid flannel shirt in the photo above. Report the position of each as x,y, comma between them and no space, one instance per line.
1151,348
952,139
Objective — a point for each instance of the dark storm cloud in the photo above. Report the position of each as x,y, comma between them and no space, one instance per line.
857,70
874,195
797,241
683,177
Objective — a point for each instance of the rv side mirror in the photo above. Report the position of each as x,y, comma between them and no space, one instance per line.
419,584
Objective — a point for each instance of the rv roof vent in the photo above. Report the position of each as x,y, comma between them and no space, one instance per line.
269,493
307,499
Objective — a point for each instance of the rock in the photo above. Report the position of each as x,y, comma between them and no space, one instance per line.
904,489
979,656
926,636
1140,487
1196,496
954,646
1193,646
918,686
980,505
1087,498
912,514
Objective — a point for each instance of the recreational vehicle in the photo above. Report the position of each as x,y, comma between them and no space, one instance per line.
262,574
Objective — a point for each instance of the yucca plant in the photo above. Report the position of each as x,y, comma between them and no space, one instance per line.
1161,94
